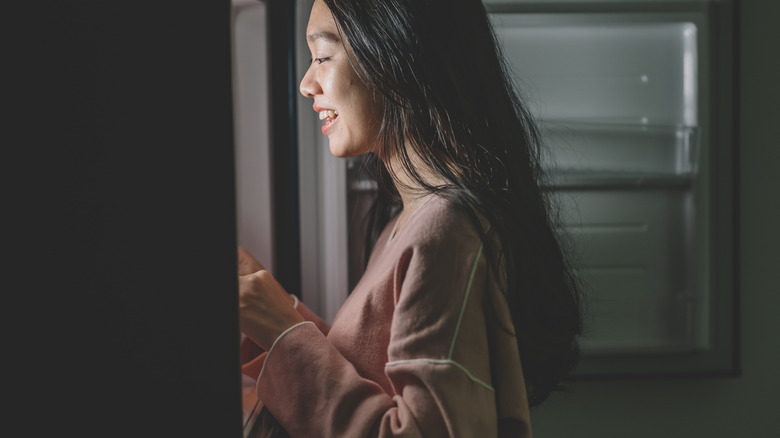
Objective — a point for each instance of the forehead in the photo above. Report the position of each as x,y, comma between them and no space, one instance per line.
322,26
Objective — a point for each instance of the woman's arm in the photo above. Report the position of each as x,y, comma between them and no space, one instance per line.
251,353
438,362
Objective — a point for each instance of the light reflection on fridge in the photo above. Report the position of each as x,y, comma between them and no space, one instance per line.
252,138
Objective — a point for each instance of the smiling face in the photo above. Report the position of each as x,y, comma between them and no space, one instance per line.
349,108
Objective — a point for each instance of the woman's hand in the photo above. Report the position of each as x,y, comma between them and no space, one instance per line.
246,263
265,308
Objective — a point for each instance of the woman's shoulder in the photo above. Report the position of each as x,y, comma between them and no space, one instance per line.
442,222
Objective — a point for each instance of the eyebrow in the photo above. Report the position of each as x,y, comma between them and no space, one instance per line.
323,35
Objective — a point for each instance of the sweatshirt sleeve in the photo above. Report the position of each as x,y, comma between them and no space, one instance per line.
253,356
438,359
308,315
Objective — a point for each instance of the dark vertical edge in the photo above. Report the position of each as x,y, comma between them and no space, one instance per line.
285,145
725,184
733,14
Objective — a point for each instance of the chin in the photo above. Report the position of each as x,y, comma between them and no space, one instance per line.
338,152
344,152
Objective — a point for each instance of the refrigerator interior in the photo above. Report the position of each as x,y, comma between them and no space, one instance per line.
617,96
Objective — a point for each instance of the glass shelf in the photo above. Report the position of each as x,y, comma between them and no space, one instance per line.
619,153
562,179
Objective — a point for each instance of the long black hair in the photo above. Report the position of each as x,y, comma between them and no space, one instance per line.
448,97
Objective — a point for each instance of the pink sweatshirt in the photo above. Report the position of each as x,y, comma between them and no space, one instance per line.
424,345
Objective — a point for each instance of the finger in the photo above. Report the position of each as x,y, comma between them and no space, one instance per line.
246,263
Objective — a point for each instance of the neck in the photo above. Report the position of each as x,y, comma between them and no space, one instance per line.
409,188
413,193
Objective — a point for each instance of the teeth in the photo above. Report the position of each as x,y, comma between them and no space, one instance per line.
328,114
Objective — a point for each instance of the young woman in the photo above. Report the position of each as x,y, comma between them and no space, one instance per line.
467,312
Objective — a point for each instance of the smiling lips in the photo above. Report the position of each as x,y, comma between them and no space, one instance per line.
327,115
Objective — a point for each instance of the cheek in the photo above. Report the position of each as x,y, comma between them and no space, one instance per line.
326,81
378,111
375,111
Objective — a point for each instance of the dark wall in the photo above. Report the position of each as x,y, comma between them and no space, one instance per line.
120,293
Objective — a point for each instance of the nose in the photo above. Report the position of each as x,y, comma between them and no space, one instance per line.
309,86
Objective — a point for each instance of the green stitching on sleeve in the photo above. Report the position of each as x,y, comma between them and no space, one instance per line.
465,301
443,362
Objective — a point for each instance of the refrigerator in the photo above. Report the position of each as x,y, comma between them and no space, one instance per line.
635,102
156,139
